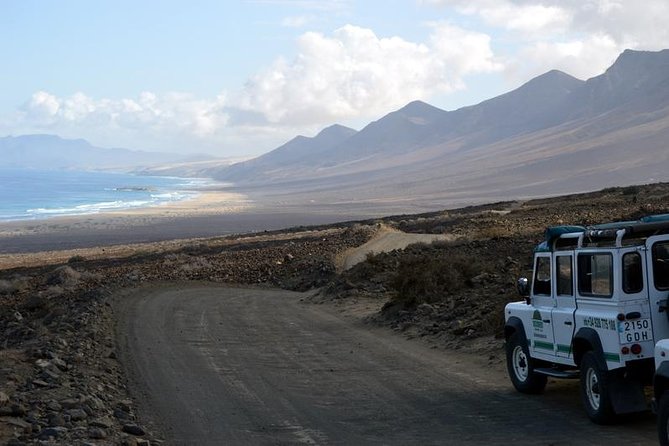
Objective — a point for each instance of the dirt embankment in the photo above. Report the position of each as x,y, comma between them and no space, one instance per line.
59,376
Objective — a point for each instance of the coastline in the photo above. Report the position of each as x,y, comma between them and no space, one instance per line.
120,233
204,203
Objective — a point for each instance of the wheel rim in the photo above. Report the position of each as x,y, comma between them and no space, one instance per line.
592,388
520,365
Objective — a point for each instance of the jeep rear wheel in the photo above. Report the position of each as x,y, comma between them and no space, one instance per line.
596,391
521,366
663,419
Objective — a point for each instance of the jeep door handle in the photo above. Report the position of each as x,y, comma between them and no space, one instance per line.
567,322
547,321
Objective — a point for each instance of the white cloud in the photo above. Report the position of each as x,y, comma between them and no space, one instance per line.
580,58
295,21
148,117
355,73
582,37
528,18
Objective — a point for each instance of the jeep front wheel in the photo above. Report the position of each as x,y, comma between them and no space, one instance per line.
521,366
596,390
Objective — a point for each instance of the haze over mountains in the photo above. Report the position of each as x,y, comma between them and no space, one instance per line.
555,134
54,153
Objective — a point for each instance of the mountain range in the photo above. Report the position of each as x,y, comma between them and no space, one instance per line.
555,134
52,152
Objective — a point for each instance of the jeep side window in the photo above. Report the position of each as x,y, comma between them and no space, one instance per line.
564,276
595,275
661,265
542,277
632,273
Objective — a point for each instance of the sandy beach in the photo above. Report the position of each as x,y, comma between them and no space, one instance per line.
122,233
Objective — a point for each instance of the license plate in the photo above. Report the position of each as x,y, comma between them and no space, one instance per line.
638,330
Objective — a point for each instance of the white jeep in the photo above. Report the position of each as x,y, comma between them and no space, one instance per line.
595,308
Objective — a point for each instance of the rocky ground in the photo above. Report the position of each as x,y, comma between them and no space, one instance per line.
61,383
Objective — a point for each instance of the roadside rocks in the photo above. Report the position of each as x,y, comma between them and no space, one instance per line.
133,429
60,380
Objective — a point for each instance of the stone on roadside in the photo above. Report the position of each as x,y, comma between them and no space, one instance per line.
69,403
55,419
97,433
125,405
133,429
4,398
18,422
52,432
105,423
121,414
53,405
77,414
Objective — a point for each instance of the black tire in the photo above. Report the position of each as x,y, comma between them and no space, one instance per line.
521,366
596,390
663,419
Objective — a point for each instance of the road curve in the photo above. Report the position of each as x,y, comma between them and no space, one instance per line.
233,366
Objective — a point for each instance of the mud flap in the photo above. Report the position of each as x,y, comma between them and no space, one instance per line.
627,395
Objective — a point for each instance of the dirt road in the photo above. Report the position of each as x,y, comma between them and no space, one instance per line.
216,365
385,240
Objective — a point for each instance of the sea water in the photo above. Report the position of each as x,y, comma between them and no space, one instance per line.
34,194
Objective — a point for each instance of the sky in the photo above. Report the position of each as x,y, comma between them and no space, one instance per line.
239,78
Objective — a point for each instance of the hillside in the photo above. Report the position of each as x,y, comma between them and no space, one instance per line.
555,134
295,155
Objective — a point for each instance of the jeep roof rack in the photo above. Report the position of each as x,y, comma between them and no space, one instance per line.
570,237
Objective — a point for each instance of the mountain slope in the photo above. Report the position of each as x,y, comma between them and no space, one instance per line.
554,134
294,155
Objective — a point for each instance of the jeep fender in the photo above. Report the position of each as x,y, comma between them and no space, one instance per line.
587,339
661,380
514,325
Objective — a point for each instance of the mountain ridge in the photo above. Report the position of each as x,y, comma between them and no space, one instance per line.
553,134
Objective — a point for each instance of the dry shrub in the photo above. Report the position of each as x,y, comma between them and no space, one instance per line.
64,276
7,287
196,264
428,279
492,232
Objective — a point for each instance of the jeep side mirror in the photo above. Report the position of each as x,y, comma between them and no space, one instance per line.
524,287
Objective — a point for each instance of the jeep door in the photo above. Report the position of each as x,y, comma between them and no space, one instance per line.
657,269
543,303
565,302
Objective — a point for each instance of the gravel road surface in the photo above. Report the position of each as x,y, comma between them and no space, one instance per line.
212,365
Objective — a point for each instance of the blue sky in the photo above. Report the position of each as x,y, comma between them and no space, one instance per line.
238,78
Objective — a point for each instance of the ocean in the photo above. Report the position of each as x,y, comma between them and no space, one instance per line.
36,194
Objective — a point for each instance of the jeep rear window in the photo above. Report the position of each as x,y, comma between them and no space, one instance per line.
595,275
661,265
632,273
564,276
